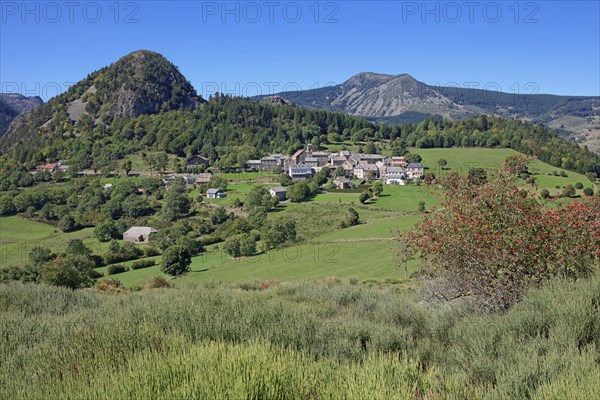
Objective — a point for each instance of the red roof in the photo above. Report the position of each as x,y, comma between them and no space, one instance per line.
49,166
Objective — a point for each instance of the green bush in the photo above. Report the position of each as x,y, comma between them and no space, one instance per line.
149,262
117,269
151,252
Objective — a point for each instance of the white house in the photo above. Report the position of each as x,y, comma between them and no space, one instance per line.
300,172
415,170
138,234
395,176
215,193
363,171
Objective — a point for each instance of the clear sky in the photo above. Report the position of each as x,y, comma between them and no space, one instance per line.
249,47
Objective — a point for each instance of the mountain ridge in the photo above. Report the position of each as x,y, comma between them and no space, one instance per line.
14,104
402,98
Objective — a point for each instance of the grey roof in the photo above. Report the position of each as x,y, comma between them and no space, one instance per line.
341,179
414,165
300,169
371,156
197,158
278,189
213,191
311,159
370,167
394,170
139,231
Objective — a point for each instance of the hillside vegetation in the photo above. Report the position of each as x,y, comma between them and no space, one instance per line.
143,103
293,341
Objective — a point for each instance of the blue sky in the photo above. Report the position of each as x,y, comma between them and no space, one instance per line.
263,46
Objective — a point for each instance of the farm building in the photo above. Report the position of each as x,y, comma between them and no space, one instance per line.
343,183
196,161
279,192
139,234
215,193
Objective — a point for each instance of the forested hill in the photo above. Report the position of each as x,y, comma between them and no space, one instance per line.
142,102
142,82
233,130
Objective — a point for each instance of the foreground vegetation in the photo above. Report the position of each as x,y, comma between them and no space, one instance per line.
292,341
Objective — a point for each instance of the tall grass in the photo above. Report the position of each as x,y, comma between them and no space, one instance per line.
288,341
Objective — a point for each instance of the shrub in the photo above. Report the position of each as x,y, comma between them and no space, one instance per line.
277,233
579,186
143,263
95,274
176,260
364,197
72,271
151,252
67,223
545,194
568,191
105,231
110,285
497,244
159,282
240,245
352,218
116,269
588,191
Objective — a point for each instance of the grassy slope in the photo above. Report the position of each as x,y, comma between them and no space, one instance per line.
317,221
18,236
462,159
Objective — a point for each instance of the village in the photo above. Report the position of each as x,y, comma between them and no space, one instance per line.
346,168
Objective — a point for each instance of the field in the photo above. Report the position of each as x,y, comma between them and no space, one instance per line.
19,235
265,340
462,159
365,252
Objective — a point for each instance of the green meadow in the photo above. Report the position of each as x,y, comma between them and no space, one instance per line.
365,252
19,235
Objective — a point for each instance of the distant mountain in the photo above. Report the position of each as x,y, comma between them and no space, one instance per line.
142,82
13,104
402,98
